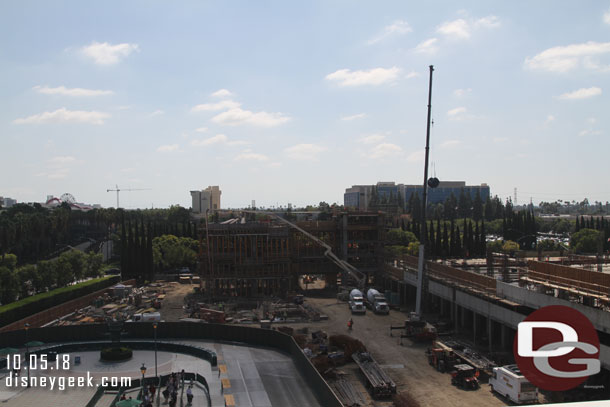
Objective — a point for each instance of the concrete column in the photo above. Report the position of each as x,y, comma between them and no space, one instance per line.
463,317
474,327
503,335
489,334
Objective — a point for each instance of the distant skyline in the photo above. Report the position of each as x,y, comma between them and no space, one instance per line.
284,102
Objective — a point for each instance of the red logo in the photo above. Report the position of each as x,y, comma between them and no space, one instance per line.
557,348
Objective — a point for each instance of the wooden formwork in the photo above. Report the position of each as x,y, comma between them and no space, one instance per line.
569,277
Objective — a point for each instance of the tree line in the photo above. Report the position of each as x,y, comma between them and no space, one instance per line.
17,282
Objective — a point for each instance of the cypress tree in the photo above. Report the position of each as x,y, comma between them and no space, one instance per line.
438,244
477,241
470,241
577,226
124,255
483,240
149,253
452,250
432,240
445,252
458,242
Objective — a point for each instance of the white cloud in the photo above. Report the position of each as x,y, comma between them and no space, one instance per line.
201,129
458,28
128,169
65,116
157,112
549,119
219,138
582,93
566,58
591,120
385,150
417,156
222,93
353,117
57,173
251,156
463,29
412,74
237,116
500,139
304,151
450,143
167,148
607,17
375,76
275,164
107,54
61,160
62,90
398,27
212,107
429,46
456,112
584,133
461,92
237,143
372,139
487,22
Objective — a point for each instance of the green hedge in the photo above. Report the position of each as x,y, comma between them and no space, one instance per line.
116,354
17,310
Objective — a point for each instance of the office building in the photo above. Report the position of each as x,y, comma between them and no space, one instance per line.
206,200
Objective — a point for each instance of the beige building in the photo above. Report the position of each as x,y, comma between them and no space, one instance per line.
207,199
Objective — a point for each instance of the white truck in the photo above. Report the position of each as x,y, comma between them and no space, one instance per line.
356,302
377,302
510,382
146,317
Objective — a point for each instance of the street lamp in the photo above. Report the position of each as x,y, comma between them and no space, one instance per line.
143,370
27,351
156,373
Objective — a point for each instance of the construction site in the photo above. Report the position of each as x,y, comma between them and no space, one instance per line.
349,304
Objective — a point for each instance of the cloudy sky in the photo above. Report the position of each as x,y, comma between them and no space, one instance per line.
294,101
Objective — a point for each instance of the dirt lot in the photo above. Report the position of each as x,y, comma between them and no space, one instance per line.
407,365
171,309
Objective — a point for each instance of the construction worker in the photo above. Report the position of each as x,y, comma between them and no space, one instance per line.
350,324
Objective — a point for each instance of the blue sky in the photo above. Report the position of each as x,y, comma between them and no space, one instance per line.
295,101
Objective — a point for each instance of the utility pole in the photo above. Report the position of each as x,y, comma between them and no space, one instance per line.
422,279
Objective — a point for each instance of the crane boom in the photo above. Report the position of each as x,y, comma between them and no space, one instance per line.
118,190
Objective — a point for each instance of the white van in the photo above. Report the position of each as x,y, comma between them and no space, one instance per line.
509,382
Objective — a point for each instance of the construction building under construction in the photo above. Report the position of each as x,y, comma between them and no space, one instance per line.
256,259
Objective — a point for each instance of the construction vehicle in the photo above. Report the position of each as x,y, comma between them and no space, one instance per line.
465,377
508,381
146,317
356,302
377,302
416,330
377,379
441,359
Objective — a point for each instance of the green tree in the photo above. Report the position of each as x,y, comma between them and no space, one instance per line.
400,237
510,247
172,252
9,261
413,248
9,285
47,273
477,206
64,274
76,259
585,241
93,266
451,207
547,245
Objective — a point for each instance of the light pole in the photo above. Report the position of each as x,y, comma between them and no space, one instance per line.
143,370
27,351
156,373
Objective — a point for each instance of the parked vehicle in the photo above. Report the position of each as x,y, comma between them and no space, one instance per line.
356,302
441,359
377,302
465,376
146,317
509,382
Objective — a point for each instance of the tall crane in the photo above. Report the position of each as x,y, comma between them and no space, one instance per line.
117,189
